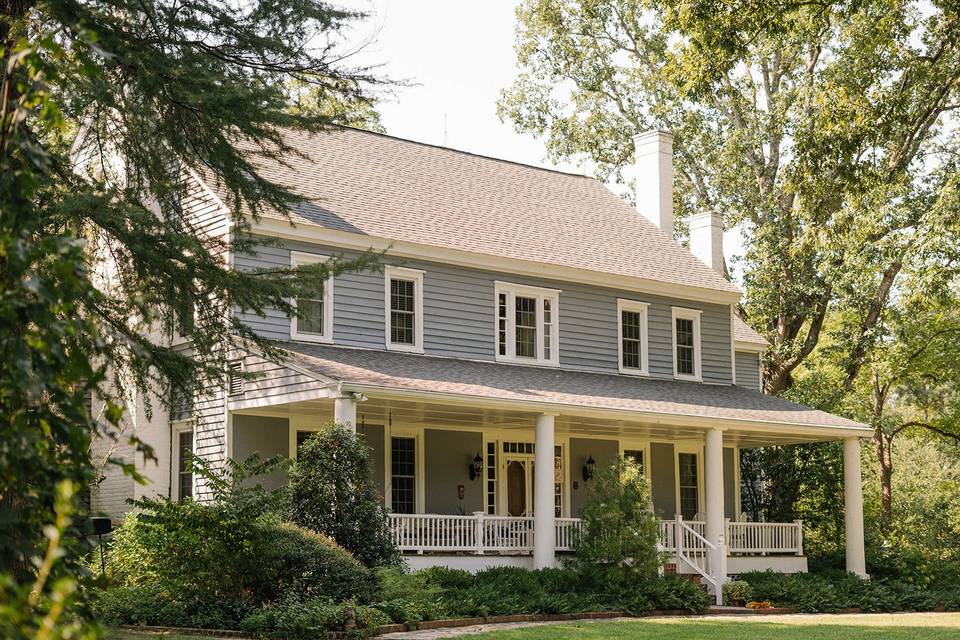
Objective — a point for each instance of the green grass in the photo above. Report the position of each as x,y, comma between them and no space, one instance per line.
874,627
909,626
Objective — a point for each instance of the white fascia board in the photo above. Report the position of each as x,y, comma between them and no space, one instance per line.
285,229
754,347
650,417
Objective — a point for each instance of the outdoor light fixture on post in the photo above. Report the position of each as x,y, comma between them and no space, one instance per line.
588,468
476,467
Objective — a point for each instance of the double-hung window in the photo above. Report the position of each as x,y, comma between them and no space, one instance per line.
527,324
686,344
403,303
632,336
184,450
403,457
313,321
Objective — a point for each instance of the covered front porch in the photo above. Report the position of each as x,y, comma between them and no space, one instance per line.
479,471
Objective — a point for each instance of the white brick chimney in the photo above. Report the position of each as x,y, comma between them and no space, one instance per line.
706,239
653,153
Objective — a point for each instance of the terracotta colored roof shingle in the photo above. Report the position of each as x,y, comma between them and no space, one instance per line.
492,380
394,189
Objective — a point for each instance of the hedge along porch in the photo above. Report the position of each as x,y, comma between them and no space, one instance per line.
468,485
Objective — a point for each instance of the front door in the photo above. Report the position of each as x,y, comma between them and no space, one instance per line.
519,475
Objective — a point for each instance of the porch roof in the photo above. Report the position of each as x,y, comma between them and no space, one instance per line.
560,391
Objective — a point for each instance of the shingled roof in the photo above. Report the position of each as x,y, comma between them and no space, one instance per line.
742,332
490,380
390,188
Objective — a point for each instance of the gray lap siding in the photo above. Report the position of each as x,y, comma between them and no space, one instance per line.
459,320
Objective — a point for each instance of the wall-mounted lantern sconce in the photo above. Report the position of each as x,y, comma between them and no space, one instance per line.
476,467
588,468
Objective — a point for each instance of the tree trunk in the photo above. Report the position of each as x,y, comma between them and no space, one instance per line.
883,446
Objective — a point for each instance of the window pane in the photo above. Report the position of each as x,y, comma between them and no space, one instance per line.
630,323
688,484
402,311
685,347
526,327
185,476
403,467
502,323
310,319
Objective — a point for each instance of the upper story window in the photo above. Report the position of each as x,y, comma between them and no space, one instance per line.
403,304
686,344
632,335
314,319
527,324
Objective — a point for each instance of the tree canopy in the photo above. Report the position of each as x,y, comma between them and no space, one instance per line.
820,127
107,109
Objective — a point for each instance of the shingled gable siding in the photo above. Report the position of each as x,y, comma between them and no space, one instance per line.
459,303
748,370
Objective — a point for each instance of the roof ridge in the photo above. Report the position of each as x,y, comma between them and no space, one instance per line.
451,149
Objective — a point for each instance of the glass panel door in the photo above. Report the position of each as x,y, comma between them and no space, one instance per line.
517,488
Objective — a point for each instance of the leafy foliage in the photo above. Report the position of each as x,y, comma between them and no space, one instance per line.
619,540
331,492
508,591
108,109
43,609
824,593
213,564
822,128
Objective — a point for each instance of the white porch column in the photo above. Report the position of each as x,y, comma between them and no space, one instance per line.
715,530
345,411
713,482
544,520
853,507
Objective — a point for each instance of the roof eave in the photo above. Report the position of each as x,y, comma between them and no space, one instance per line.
827,432
303,231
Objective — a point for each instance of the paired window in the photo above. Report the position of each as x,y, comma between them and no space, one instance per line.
403,458
404,309
313,321
527,324
184,470
632,336
686,344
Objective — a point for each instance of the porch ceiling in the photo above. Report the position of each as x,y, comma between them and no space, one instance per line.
399,412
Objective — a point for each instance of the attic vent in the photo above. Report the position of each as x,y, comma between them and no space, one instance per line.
234,369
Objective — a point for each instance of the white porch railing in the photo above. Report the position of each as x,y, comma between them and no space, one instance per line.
703,556
480,533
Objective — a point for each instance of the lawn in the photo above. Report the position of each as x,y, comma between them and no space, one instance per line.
926,626
900,626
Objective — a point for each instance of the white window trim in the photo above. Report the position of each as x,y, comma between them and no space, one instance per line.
642,308
688,314
177,428
403,273
298,258
511,290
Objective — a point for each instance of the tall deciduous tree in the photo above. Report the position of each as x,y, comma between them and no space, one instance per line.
106,107
818,126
